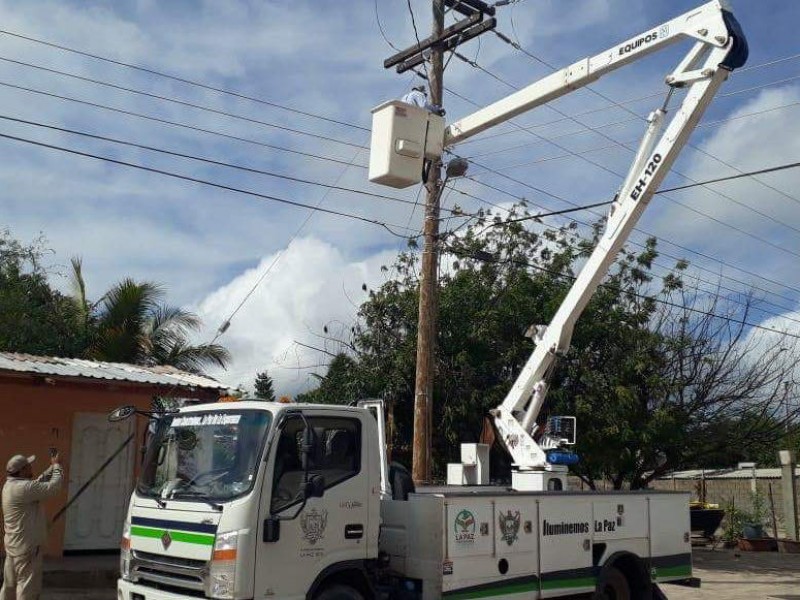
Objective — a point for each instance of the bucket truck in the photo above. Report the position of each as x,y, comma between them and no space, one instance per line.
259,500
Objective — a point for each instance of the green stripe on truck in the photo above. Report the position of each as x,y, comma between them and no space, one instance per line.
177,536
676,571
492,591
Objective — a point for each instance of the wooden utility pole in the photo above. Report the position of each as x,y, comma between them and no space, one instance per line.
426,335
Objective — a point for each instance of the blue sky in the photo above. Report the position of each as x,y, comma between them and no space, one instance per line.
325,57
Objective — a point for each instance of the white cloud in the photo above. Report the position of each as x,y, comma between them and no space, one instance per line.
312,285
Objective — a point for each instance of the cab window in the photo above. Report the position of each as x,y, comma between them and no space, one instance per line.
335,455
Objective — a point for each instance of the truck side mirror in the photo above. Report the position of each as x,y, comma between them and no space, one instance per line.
272,530
307,447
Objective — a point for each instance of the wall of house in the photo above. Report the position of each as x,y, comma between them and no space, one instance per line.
38,413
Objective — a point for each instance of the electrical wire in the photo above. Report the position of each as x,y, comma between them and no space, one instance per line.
616,144
606,98
179,124
416,35
582,207
764,171
383,32
623,103
205,160
683,248
703,255
179,102
611,171
217,185
190,82
227,322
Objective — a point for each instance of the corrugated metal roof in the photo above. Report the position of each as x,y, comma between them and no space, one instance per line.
76,367
766,473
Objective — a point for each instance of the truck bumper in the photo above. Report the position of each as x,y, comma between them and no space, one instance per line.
132,591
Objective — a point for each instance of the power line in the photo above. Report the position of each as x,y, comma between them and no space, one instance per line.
611,171
623,103
381,29
191,82
207,160
623,146
416,35
227,322
764,171
221,186
690,145
714,123
676,245
179,102
539,216
131,113
616,144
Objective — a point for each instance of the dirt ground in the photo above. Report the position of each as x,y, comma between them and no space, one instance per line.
730,575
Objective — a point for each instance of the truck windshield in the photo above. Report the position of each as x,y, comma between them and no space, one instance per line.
204,456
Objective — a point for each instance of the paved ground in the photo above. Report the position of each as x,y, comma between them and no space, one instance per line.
742,576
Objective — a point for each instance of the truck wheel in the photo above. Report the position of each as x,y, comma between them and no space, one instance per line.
339,592
616,586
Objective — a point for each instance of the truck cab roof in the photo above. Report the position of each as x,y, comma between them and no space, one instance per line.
275,407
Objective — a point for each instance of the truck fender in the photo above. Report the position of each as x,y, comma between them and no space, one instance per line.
634,569
348,572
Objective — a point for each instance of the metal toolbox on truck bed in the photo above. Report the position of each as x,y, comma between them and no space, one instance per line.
460,541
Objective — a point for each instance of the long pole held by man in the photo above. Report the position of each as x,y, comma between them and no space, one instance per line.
426,337
26,525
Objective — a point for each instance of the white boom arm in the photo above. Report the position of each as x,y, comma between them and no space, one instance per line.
720,47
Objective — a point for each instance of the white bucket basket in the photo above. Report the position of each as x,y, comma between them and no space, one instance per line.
403,135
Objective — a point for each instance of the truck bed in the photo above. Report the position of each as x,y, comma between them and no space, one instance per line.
465,542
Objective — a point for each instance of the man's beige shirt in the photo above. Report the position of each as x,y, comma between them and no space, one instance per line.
23,514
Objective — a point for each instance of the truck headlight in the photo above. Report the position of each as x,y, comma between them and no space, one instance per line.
222,572
125,552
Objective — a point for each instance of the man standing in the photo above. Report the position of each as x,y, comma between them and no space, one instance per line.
26,525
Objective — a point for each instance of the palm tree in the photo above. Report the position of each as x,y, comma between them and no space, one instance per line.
130,323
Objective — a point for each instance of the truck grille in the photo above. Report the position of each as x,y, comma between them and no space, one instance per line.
168,571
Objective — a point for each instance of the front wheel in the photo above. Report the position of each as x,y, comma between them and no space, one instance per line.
339,592
615,586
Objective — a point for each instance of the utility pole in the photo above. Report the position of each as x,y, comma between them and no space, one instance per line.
428,313
440,41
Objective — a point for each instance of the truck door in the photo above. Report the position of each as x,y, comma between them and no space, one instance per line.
328,530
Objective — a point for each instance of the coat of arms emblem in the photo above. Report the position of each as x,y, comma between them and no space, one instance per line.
313,524
509,526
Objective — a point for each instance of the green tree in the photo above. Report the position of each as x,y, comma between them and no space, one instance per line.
130,323
264,388
653,376
34,317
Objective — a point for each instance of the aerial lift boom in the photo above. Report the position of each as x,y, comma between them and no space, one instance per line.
719,48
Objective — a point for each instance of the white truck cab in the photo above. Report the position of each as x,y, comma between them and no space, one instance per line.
252,500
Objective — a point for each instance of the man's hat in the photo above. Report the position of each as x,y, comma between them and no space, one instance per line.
17,463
